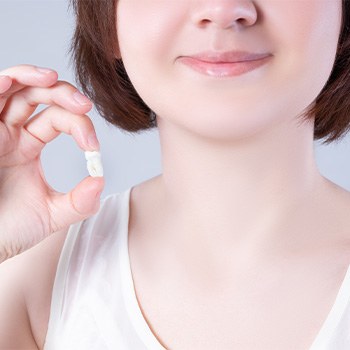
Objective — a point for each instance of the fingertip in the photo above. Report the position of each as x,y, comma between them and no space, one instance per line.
89,107
47,76
95,183
53,77
100,183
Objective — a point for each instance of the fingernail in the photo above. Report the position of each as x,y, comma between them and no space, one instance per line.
42,70
93,141
81,99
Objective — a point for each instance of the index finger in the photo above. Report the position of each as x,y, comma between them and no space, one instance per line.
28,75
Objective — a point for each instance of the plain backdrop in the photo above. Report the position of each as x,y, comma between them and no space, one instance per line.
38,32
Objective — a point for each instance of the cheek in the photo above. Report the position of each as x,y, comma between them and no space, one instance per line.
306,44
149,32
308,32
146,27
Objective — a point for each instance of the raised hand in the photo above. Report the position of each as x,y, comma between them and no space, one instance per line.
30,209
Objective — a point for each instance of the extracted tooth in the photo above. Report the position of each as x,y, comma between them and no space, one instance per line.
94,164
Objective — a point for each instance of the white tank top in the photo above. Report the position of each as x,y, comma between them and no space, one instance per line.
94,305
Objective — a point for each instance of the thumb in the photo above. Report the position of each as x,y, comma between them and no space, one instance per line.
78,204
85,197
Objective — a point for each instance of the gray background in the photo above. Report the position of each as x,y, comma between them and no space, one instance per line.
38,32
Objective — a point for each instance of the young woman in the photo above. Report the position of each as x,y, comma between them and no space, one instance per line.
240,243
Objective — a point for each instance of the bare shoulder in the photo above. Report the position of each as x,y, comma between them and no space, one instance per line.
334,216
34,272
338,198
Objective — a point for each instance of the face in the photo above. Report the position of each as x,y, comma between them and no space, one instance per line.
158,38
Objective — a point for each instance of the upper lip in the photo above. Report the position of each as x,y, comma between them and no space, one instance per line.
228,56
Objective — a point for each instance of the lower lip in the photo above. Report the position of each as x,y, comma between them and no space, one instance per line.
223,69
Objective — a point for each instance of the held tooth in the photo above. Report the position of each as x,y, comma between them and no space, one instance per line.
94,164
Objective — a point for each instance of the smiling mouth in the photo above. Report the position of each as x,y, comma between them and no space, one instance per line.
216,67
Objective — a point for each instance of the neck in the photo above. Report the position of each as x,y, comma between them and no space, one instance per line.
236,197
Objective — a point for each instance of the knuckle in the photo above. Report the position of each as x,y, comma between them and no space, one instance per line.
83,122
54,110
89,123
80,120
63,88
27,95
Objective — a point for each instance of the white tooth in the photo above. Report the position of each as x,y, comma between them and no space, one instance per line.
94,164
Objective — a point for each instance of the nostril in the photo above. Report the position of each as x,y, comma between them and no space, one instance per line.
242,21
204,22
225,15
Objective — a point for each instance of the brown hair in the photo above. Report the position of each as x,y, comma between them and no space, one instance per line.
103,78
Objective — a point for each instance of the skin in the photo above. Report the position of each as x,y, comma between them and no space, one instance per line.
233,152
236,193
240,224
40,209
31,210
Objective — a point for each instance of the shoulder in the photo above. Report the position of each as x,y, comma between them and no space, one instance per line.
331,215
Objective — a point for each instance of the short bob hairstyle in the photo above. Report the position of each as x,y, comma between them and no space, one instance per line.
103,78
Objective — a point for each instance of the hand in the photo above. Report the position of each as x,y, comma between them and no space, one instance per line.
30,209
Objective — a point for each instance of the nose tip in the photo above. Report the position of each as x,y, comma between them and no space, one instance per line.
225,13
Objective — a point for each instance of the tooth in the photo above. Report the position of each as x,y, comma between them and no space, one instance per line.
94,164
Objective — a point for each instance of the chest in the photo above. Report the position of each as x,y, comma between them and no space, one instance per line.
261,311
